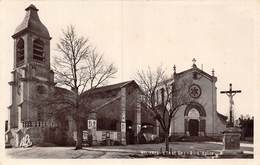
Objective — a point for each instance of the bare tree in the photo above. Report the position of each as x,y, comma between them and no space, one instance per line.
81,69
174,97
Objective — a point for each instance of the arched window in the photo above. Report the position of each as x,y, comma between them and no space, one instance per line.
20,52
38,46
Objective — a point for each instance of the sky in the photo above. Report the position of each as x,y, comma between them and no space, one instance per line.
135,35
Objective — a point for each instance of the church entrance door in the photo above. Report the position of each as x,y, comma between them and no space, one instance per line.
193,127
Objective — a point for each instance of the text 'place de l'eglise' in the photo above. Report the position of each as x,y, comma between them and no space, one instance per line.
117,110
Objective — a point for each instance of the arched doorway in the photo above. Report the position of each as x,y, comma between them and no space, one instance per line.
194,127
194,120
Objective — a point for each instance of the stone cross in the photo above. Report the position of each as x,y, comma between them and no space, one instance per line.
194,60
231,93
174,68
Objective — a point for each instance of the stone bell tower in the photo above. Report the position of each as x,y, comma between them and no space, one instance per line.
32,77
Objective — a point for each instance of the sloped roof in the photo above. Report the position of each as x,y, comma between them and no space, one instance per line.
205,74
32,23
111,87
166,81
223,118
62,91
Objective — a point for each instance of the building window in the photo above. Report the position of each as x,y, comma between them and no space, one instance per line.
38,46
20,52
195,75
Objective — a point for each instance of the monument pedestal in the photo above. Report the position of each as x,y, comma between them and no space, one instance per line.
231,141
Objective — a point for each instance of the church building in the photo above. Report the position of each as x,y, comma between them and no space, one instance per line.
118,115
199,117
116,108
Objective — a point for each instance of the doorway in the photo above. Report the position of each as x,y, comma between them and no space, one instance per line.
194,127
129,132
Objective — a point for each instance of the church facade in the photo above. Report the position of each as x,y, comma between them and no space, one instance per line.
199,117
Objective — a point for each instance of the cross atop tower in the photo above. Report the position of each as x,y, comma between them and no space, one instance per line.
174,68
231,93
194,62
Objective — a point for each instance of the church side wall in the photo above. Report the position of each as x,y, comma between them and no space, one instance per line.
133,113
117,105
219,126
177,127
111,111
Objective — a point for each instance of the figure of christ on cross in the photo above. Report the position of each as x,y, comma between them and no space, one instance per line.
231,93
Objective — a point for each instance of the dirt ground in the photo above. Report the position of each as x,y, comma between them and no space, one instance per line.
101,152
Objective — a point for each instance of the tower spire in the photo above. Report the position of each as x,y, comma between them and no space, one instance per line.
32,23
31,7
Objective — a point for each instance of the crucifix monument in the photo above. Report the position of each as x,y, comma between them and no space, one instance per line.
231,138
231,93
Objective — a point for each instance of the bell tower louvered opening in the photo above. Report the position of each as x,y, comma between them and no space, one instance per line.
20,52
38,53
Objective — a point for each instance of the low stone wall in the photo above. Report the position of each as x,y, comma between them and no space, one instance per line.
12,138
18,137
37,135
